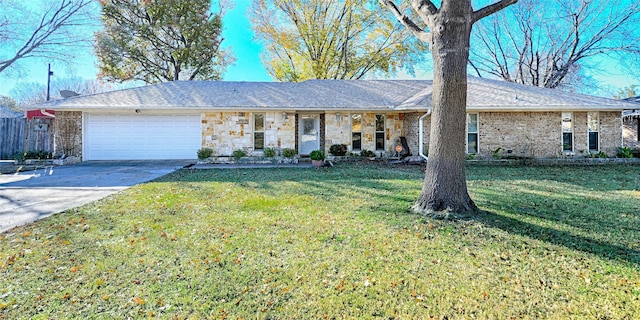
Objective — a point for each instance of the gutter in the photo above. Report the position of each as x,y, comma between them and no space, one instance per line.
421,135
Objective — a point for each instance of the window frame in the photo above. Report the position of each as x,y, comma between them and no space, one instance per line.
469,133
596,131
256,131
353,132
565,132
382,132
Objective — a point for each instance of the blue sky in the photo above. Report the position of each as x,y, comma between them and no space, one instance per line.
237,34
248,66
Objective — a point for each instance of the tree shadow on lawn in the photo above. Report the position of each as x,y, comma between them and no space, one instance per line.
531,211
611,177
601,248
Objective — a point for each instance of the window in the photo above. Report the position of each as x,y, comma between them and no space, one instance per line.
567,131
472,133
356,131
258,131
593,122
380,132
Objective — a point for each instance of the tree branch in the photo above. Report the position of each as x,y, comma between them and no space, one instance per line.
491,9
407,22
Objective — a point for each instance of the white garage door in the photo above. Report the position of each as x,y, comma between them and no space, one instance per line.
141,137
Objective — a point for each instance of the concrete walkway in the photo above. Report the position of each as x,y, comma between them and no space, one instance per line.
29,196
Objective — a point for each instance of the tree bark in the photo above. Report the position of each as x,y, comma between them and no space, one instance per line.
445,184
445,187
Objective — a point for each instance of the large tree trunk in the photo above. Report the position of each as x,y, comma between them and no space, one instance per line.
445,186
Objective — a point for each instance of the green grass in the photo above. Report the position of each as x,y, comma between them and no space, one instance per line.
554,242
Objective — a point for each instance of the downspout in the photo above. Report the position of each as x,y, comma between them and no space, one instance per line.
421,135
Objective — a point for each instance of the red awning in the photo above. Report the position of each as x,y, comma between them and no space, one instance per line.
38,114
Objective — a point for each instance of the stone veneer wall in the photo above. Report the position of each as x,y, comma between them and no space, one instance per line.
225,132
338,130
68,134
527,134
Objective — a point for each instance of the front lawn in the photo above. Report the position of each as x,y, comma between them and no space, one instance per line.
554,242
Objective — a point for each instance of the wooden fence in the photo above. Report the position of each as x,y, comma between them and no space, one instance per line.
19,135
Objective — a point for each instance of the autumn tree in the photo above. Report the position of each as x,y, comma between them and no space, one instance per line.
160,40
551,48
447,30
46,30
6,101
628,92
330,39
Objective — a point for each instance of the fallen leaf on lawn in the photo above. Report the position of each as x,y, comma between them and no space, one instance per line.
138,300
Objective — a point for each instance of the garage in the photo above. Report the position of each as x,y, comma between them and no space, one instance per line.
141,137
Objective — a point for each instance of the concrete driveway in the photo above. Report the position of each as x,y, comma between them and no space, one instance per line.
29,196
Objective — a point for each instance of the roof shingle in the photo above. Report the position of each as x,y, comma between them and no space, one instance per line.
378,95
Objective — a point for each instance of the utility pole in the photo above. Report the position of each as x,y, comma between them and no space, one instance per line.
49,74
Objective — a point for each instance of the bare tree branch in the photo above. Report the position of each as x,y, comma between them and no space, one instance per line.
548,48
418,32
56,30
491,9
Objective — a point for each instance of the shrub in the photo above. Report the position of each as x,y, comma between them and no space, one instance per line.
316,155
20,156
270,152
602,154
237,154
204,153
289,153
338,149
367,153
496,153
625,152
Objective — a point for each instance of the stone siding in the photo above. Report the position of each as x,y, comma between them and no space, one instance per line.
225,132
68,134
338,130
527,134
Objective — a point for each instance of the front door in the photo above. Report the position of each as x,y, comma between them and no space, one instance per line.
309,128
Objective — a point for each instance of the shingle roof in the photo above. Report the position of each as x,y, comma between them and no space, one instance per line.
635,99
5,112
378,95
632,112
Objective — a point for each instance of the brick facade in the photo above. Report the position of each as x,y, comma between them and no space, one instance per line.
630,132
68,134
528,134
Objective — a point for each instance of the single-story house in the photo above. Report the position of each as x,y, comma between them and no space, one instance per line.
631,124
173,120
